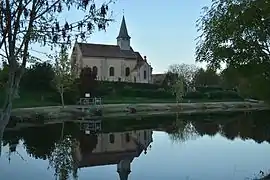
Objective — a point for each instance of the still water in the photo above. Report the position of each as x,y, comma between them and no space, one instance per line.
166,147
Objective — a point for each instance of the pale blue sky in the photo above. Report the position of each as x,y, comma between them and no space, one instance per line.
164,32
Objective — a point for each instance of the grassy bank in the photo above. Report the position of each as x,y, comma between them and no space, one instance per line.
39,99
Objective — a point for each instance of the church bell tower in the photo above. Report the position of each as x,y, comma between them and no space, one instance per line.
123,39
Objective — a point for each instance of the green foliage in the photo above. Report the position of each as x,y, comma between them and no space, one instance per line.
178,89
184,71
88,82
248,80
224,95
235,32
29,22
194,95
63,77
62,160
207,77
38,77
238,33
214,95
205,89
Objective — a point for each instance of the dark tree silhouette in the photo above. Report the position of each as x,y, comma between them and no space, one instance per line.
27,22
87,81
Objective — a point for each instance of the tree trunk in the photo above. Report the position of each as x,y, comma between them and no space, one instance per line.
12,88
62,97
62,131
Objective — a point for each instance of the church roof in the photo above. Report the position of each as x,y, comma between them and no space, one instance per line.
107,158
103,50
123,33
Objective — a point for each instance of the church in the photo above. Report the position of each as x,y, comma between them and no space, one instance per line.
118,62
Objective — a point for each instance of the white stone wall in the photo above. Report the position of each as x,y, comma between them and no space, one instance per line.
120,143
139,75
119,64
103,65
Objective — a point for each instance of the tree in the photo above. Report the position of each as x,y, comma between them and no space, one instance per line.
27,22
62,159
178,89
185,72
38,77
237,33
207,77
87,81
64,78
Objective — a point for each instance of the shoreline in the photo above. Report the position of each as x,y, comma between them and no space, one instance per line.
129,110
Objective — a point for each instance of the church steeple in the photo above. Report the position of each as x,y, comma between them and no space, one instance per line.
123,169
123,39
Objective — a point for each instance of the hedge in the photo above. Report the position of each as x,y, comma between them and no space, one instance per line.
121,85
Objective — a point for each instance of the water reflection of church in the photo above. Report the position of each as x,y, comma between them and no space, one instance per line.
119,148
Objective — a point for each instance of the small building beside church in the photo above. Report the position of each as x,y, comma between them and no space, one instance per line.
118,62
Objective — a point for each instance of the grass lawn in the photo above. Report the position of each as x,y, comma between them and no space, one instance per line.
33,99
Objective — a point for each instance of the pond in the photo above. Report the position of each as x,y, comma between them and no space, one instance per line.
205,147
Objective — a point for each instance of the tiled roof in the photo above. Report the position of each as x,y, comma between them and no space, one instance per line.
102,50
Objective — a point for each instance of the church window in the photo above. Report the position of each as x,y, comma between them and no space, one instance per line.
127,71
144,135
134,79
95,69
144,74
111,71
111,138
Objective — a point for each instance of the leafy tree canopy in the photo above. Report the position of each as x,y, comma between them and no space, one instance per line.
237,32
38,77
207,77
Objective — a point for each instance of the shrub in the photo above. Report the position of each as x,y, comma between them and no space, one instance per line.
205,89
194,95
224,95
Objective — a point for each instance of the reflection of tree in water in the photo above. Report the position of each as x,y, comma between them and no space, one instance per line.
230,130
255,126
182,131
12,139
206,127
61,158
261,130
40,141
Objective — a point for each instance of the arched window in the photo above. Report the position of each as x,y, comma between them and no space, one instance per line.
127,71
111,138
111,71
95,69
144,135
144,74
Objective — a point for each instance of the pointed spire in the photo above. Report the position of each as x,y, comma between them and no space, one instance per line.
123,175
123,33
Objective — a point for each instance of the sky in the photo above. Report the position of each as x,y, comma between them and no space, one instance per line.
164,32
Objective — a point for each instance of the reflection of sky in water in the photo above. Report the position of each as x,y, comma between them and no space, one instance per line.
203,158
